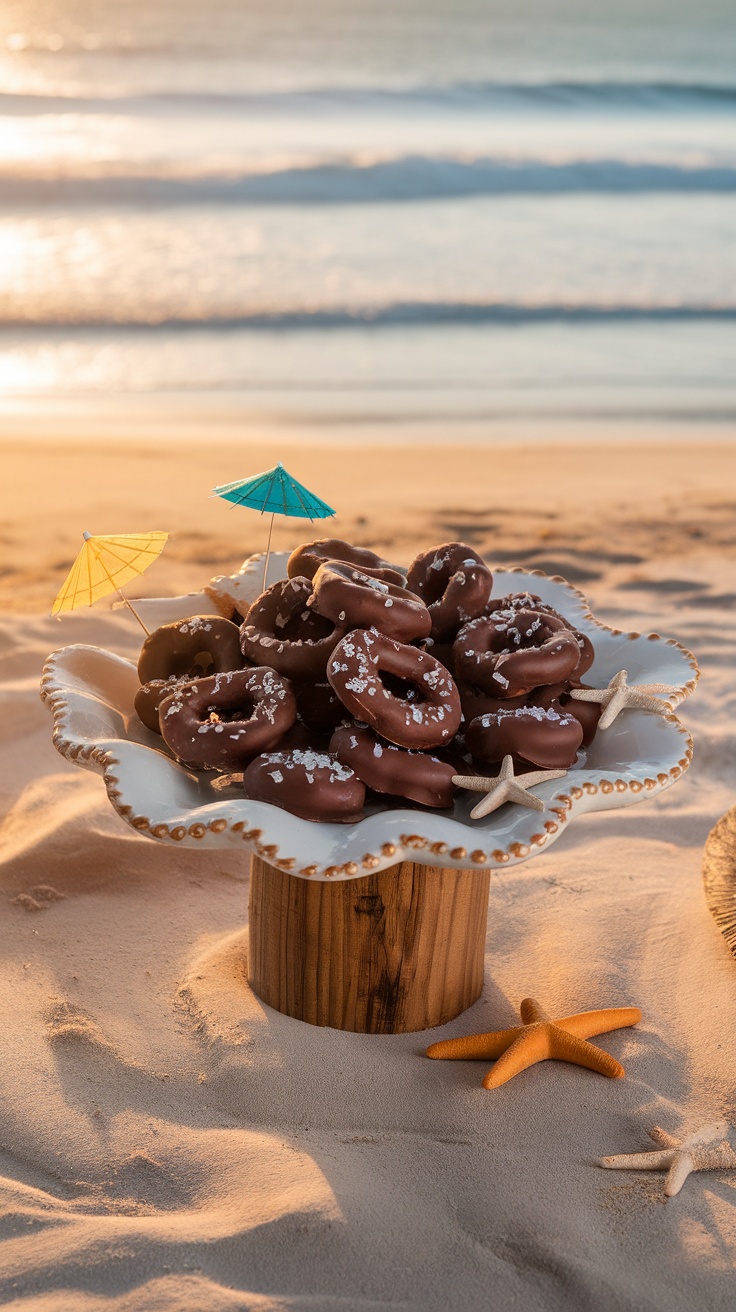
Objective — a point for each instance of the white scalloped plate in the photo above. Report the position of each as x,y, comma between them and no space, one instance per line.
91,691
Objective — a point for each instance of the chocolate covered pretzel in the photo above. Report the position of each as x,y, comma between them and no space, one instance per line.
281,630
455,583
403,693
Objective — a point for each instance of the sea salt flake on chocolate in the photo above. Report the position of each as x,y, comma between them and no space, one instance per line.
195,625
355,685
377,584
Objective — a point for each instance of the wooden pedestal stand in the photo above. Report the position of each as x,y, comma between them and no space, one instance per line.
386,953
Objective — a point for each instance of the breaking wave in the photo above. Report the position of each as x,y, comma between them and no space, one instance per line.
357,181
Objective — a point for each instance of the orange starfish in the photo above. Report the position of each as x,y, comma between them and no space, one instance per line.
537,1039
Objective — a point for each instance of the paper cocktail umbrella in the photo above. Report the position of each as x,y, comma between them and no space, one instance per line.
104,565
275,491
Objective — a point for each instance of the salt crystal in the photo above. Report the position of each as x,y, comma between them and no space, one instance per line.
376,584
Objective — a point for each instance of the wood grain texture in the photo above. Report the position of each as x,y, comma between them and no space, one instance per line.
388,953
719,875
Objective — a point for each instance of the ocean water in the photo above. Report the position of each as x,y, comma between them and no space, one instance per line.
454,208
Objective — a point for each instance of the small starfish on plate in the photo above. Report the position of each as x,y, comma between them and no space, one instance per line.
618,695
537,1039
505,787
700,1152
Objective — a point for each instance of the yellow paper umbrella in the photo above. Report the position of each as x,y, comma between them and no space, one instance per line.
104,565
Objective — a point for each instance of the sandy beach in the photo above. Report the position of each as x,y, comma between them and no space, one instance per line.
613,510
170,1143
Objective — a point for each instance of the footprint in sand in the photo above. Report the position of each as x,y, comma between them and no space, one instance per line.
215,997
39,898
164,1185
121,1169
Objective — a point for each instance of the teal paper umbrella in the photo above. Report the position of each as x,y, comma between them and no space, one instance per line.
275,491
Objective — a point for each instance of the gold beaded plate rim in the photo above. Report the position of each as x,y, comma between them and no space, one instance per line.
90,694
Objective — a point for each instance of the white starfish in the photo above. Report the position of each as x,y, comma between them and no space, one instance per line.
700,1152
506,787
618,695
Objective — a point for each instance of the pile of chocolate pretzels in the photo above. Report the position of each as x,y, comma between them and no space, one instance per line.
349,679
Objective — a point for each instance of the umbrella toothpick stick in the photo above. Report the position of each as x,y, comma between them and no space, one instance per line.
130,606
268,550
